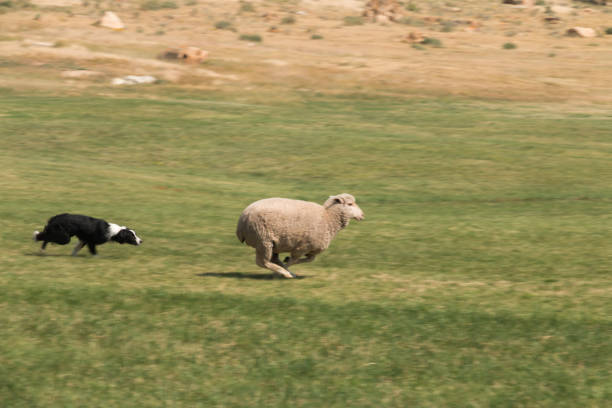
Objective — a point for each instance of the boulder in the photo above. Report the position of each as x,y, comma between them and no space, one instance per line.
414,37
81,74
112,21
584,32
383,11
134,80
187,54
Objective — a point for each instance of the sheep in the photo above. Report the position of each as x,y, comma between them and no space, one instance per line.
276,225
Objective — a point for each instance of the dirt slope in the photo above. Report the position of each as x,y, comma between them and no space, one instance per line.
310,45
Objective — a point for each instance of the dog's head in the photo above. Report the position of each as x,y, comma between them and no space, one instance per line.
126,236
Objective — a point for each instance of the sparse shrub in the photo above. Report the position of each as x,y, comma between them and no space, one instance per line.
160,32
418,47
250,37
416,22
150,5
552,55
246,7
191,2
288,20
169,5
223,25
608,31
509,46
540,3
434,42
411,7
158,5
447,27
353,20
316,37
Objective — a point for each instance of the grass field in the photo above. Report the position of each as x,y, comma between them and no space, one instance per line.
480,277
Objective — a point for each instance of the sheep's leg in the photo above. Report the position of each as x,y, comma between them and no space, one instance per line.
294,260
275,259
263,259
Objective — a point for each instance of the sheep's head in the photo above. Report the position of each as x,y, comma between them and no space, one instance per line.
347,205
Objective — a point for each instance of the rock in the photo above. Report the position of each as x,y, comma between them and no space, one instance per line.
381,18
80,74
597,2
584,32
276,62
39,43
383,11
414,37
562,9
188,54
134,80
112,21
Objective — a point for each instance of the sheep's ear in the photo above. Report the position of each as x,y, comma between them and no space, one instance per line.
332,200
337,199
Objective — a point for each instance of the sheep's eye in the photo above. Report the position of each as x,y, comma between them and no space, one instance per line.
350,203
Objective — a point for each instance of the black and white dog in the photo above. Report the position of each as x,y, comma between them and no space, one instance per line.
90,231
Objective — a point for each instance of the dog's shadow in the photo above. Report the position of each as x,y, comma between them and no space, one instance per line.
47,254
242,275
67,255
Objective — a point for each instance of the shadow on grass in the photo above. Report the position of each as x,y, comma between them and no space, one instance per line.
67,255
45,254
241,275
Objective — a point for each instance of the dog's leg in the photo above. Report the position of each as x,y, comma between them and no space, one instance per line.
44,245
78,247
92,248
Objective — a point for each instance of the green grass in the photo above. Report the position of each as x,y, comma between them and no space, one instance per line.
480,276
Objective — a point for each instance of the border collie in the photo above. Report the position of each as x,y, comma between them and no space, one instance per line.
90,231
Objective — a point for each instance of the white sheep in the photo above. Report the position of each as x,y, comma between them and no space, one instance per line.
276,225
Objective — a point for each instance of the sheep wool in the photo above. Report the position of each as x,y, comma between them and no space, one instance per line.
301,228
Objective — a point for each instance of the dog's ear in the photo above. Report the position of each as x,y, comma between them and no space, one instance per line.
121,237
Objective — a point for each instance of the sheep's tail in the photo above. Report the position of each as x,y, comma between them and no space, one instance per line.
240,230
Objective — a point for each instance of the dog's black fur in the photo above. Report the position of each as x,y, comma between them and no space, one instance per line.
90,231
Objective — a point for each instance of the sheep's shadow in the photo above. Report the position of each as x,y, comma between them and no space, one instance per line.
242,275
